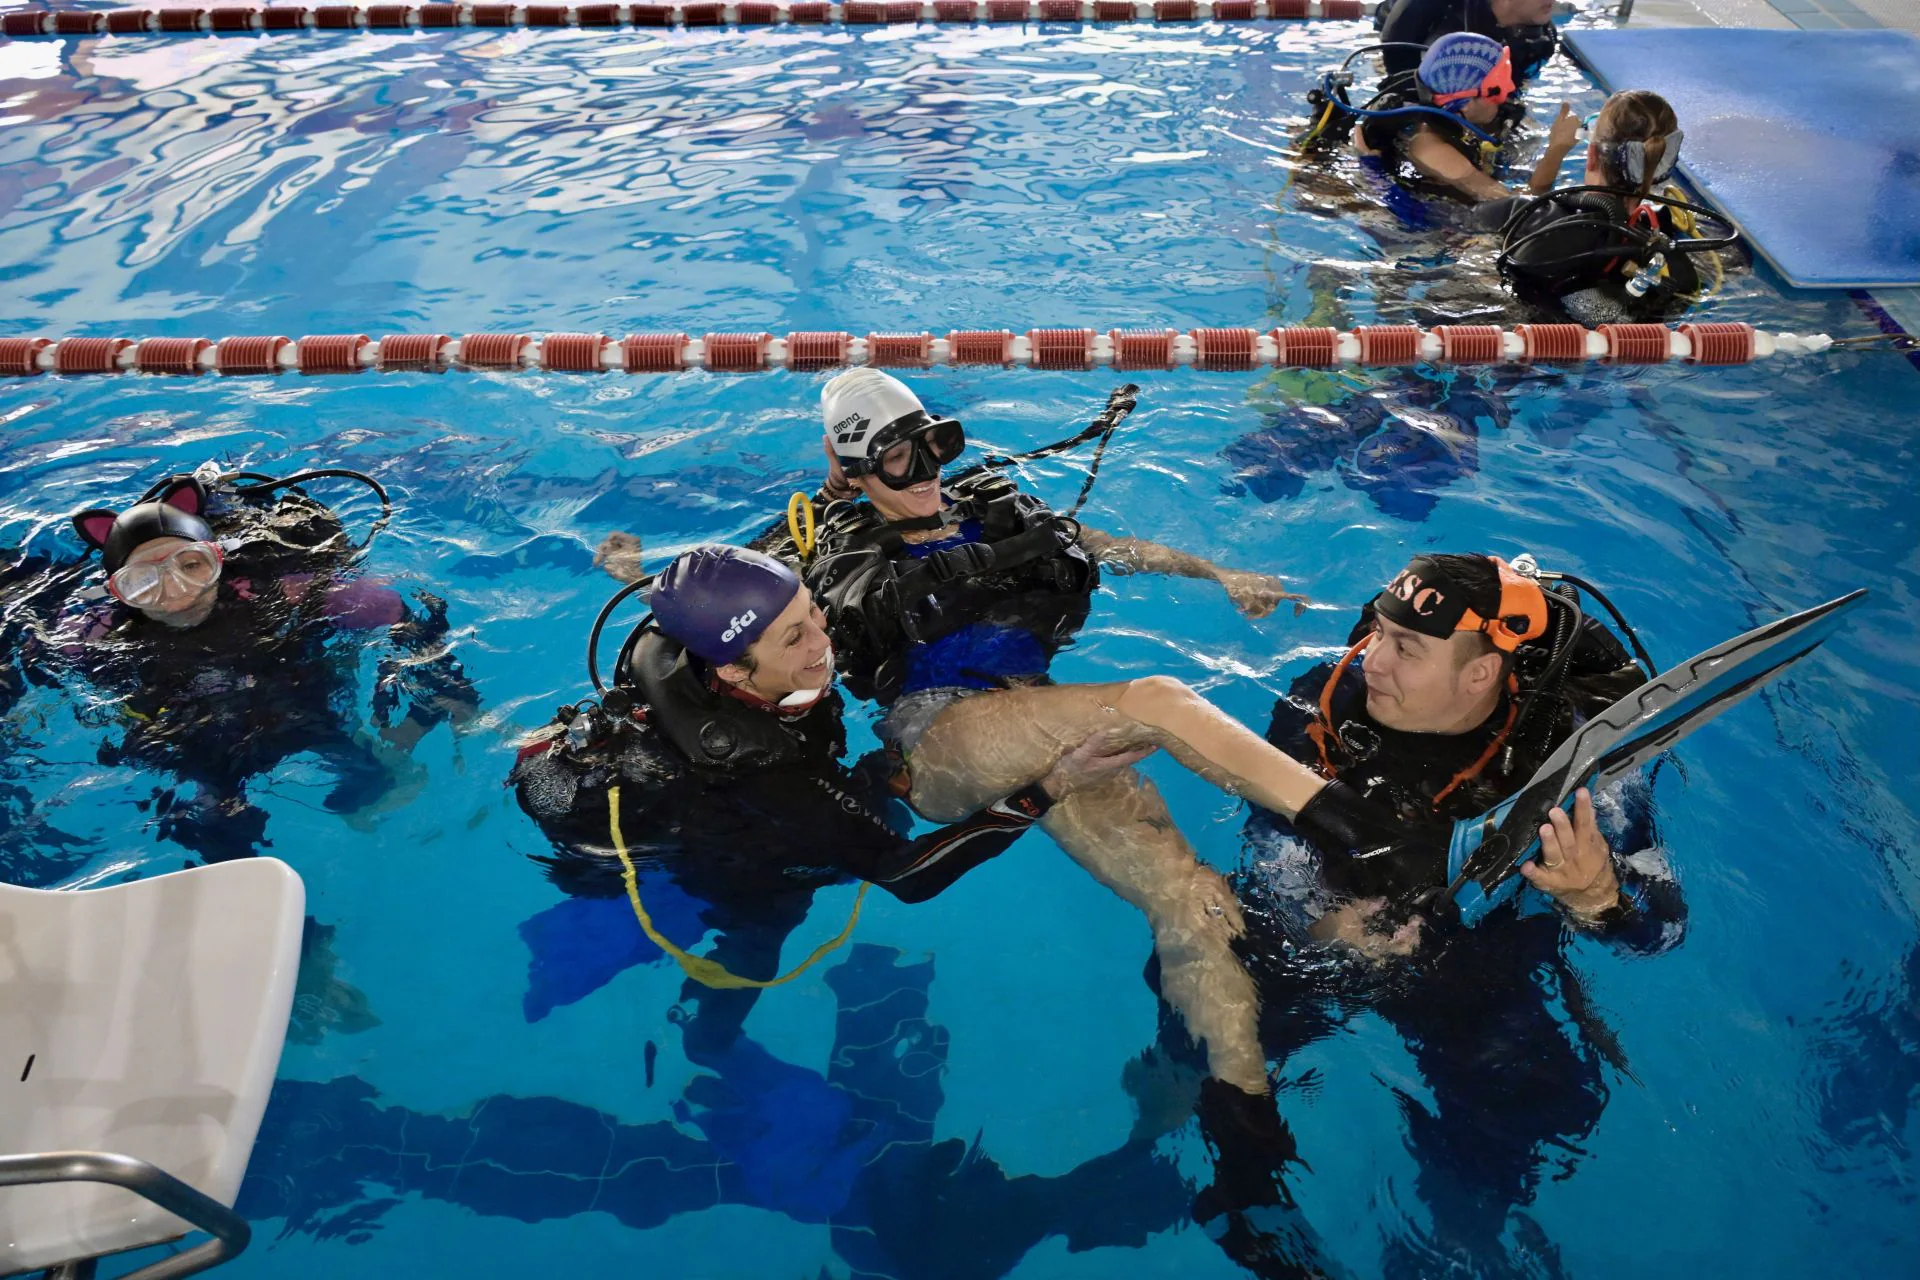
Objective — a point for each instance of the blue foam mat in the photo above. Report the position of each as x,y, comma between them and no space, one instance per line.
1809,139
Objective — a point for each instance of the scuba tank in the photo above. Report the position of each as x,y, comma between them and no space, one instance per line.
290,532
1585,236
1577,645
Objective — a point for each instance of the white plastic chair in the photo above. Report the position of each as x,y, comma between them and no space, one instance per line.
140,1030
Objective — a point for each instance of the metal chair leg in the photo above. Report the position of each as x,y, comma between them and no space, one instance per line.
229,1230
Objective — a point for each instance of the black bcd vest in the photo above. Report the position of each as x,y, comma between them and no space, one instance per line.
1028,570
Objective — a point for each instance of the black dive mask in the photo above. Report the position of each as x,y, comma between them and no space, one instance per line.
912,450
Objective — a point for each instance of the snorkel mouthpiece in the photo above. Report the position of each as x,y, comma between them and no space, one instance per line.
717,600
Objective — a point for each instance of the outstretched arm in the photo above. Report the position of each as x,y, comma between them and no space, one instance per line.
1560,140
619,555
1440,161
1254,594
915,870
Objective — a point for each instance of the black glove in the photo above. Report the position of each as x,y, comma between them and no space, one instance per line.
1340,822
1366,850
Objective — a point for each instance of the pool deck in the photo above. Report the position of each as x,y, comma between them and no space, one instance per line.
1807,15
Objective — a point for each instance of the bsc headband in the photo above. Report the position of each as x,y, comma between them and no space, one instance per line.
1425,599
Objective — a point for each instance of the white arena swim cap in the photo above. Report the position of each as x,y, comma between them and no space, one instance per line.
858,405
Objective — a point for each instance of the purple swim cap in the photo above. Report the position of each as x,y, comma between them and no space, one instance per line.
717,600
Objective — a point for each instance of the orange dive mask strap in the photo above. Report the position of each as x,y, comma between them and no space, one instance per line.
1522,616
1498,84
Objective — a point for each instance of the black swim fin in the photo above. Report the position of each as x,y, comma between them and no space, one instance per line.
1486,851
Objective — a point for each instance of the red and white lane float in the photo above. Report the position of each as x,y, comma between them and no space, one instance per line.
239,18
1218,350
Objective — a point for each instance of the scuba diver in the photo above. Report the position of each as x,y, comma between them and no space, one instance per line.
718,744
1442,125
718,747
212,641
1463,675
1611,249
946,601
1525,27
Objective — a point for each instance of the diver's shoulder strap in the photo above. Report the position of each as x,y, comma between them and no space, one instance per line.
707,728
982,486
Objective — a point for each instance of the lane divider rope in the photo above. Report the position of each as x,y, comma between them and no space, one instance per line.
1217,350
241,18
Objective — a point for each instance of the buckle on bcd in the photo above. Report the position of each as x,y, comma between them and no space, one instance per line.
957,562
899,777
1361,741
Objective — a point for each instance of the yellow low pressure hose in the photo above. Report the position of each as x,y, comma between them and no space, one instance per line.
707,972
800,523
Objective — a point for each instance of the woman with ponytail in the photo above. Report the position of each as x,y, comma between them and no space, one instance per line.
1616,247
1635,143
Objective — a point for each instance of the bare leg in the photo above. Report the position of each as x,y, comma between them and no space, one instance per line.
1119,830
985,747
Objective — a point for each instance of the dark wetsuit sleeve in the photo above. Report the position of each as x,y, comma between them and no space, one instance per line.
1651,917
1652,914
1294,711
917,869
812,823
425,671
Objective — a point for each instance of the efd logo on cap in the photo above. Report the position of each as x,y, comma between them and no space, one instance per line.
738,624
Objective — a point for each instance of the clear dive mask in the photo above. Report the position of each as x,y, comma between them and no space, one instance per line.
191,568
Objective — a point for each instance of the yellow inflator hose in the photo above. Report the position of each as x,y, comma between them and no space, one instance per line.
707,972
800,523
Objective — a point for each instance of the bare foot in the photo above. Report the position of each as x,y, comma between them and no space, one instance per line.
1357,924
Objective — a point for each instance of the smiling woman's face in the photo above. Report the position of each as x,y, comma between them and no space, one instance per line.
922,499
792,655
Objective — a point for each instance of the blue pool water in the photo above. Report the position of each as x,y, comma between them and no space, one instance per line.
448,1106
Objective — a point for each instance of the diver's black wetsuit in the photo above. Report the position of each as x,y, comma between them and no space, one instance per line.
1421,22
986,605
1510,1077
263,678
745,808
1398,181
747,799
